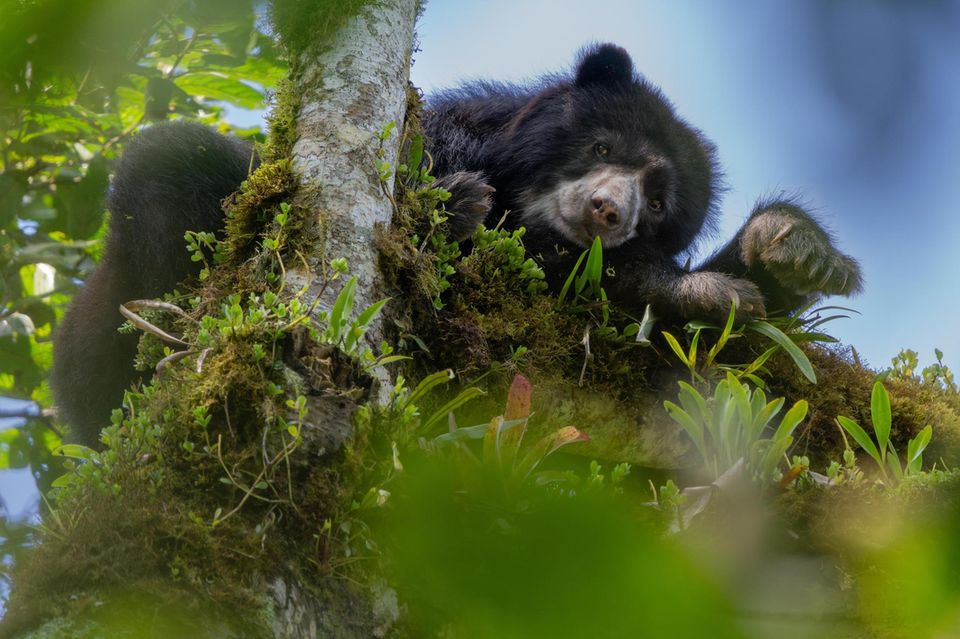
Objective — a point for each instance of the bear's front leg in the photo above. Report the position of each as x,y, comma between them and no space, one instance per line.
708,296
469,203
790,257
679,295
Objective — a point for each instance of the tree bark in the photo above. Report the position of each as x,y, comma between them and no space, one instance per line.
349,88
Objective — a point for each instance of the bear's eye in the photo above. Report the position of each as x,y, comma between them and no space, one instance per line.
601,150
655,205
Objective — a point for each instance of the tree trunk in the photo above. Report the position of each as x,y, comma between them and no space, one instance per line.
348,87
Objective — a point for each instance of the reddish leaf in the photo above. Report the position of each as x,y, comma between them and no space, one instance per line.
518,400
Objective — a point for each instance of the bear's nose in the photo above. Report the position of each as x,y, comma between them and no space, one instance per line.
604,211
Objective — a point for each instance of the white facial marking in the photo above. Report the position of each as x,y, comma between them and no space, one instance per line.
570,206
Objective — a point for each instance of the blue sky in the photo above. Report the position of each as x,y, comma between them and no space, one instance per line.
854,104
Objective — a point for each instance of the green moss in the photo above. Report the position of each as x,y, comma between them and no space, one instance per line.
250,209
304,24
203,487
282,120
149,609
144,542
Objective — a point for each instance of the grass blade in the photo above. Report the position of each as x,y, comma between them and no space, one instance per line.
465,396
676,348
427,384
787,344
570,278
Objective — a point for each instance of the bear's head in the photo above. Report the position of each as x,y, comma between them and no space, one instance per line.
602,153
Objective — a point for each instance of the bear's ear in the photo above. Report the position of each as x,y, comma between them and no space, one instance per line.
604,64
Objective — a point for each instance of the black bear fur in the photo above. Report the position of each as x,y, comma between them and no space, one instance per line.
172,179
530,142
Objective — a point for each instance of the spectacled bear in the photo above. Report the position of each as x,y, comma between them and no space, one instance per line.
603,153
600,152
172,178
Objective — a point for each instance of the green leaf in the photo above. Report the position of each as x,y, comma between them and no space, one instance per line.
593,271
790,421
693,427
763,417
594,268
362,322
917,445
491,441
264,72
217,86
756,381
860,436
465,396
546,447
724,408
716,410
80,204
130,105
893,462
415,155
341,310
741,400
74,451
63,480
468,433
11,198
775,449
813,336
724,335
427,384
758,401
390,359
676,348
693,402
572,276
759,362
692,353
778,336
880,415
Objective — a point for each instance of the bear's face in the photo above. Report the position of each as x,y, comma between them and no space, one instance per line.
605,156
615,202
